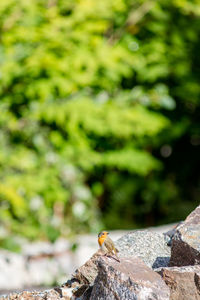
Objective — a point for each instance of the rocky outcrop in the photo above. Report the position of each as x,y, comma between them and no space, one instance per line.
184,282
143,272
87,273
50,295
129,279
186,241
169,235
151,247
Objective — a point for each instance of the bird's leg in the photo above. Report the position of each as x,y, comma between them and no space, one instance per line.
117,258
113,255
108,254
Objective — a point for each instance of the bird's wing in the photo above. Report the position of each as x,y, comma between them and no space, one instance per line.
109,244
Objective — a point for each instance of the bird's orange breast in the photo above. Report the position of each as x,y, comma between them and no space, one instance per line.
101,240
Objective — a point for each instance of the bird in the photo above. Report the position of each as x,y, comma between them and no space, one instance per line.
107,245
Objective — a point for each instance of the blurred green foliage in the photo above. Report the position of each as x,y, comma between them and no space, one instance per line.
99,104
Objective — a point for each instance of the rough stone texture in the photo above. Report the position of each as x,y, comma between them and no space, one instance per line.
43,263
169,235
129,279
132,278
186,241
87,273
150,246
46,295
184,282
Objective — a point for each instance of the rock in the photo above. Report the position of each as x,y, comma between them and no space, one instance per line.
186,241
184,282
87,273
170,234
151,247
130,279
53,294
43,263
103,277
83,278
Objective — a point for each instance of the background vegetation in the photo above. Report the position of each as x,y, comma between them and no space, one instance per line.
99,115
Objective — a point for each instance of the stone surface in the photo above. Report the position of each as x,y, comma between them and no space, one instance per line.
87,273
43,263
129,279
169,235
184,282
186,241
150,246
26,295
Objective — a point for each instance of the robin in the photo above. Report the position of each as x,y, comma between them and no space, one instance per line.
106,244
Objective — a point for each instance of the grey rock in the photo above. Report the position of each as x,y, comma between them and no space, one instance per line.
169,235
151,247
126,277
129,279
184,282
26,295
87,273
60,293
186,241
43,263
